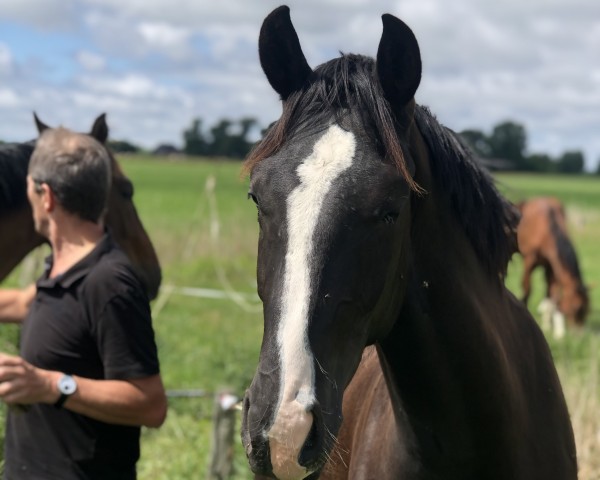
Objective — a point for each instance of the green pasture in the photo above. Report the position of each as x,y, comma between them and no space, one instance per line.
206,238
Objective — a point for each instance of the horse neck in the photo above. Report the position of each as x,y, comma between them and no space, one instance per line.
454,314
571,294
566,271
18,237
443,259
568,280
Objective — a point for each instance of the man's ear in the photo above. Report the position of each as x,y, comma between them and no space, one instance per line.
48,198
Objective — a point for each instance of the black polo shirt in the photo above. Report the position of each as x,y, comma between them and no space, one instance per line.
93,321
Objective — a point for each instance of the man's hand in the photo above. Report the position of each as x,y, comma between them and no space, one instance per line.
22,383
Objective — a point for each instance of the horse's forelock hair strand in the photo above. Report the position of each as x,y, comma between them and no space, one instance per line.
394,149
358,87
275,135
348,82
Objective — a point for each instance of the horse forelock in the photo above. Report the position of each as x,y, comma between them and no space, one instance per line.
347,83
471,192
14,162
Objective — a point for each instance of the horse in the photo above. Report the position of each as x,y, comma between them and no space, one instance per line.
378,227
16,223
544,242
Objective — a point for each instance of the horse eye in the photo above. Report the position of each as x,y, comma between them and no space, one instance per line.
390,217
124,187
253,197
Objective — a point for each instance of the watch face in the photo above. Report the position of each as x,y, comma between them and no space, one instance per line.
67,385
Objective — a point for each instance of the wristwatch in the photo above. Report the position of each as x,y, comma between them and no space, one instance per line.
67,386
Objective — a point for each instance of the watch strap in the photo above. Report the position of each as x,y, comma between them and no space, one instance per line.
61,400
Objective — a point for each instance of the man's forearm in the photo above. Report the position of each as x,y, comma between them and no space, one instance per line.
132,402
14,304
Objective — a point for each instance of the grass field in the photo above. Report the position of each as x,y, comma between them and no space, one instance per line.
207,240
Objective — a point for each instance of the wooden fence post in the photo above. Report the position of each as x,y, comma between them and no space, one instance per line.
221,461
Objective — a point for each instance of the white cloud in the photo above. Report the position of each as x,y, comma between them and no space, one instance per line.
8,98
6,60
129,86
135,38
157,64
163,35
90,61
43,14
169,40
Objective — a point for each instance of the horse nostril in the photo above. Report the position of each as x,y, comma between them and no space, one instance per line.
246,404
254,442
312,437
246,438
310,454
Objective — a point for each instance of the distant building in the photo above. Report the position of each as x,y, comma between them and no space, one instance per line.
496,164
166,149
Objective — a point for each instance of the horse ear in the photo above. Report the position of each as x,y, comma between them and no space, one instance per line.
100,129
280,53
398,61
41,126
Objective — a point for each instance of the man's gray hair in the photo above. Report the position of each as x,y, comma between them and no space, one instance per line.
77,168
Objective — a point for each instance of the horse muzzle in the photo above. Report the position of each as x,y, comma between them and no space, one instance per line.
291,448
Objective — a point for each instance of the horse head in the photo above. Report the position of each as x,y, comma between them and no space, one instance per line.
122,217
333,187
575,303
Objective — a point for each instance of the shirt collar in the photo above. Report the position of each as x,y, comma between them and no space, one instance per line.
77,271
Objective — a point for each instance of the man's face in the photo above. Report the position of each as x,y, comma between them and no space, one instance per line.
36,194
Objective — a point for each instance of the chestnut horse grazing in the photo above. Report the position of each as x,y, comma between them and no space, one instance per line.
544,242
18,236
378,227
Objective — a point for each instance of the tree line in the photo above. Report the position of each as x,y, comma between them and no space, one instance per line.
227,138
507,143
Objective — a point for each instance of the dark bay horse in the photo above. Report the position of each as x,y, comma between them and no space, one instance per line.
378,227
18,236
544,242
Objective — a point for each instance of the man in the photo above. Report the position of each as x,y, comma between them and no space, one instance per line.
88,375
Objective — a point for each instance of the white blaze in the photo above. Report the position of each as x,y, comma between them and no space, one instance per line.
332,154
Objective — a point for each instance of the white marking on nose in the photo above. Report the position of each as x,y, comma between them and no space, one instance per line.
332,154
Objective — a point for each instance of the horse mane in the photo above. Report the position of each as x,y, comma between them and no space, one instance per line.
14,162
488,219
564,247
333,88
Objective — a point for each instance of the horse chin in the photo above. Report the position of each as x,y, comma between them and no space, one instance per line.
290,471
314,475
286,446
297,444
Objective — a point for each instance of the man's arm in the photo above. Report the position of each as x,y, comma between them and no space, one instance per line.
123,402
14,304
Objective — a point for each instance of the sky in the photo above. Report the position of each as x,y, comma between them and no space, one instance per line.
154,65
